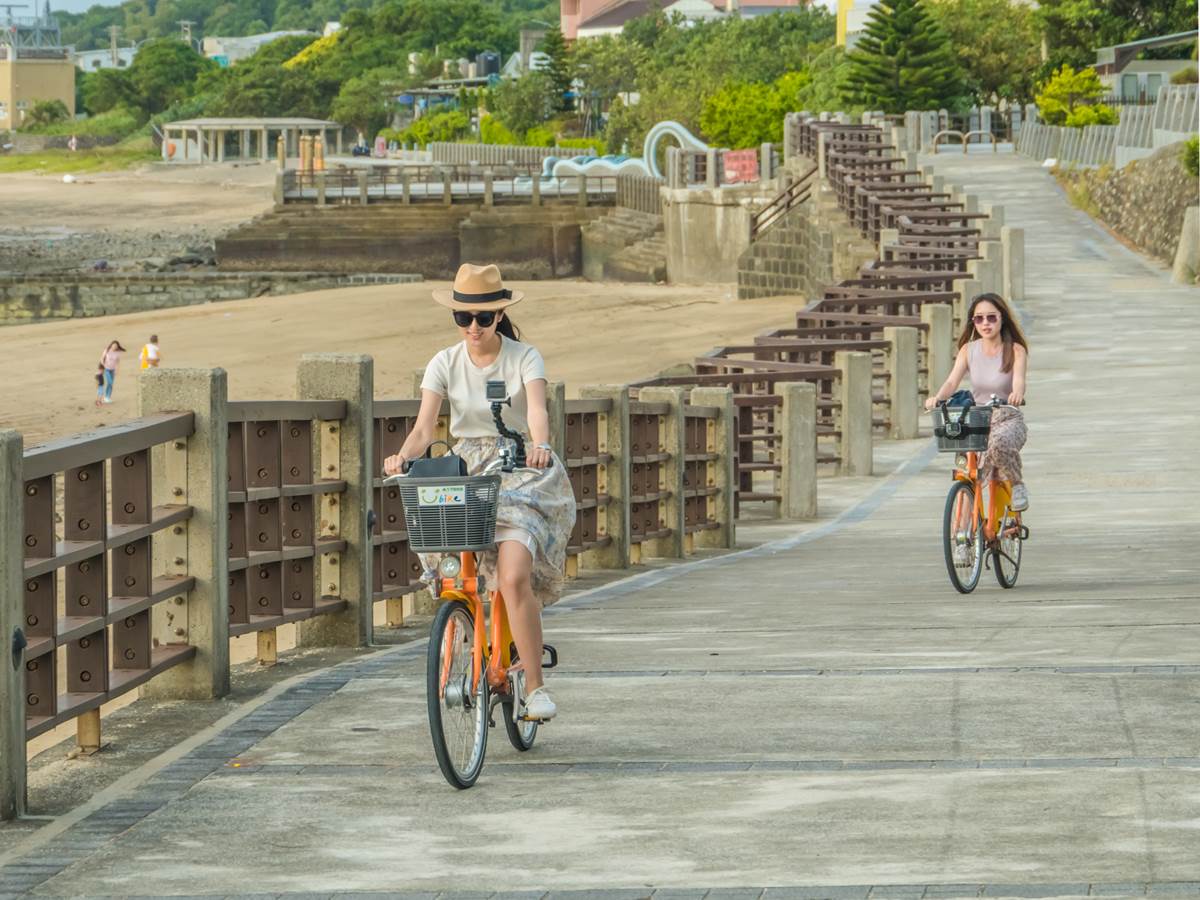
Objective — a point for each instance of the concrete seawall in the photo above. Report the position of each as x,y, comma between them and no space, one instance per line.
26,298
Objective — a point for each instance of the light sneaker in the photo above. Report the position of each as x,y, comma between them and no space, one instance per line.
1020,498
538,705
107,400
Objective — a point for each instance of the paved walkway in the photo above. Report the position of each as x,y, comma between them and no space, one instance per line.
819,716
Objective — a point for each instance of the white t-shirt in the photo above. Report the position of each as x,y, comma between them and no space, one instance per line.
452,374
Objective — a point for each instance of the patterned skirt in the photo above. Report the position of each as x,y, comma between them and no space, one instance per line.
537,509
1005,440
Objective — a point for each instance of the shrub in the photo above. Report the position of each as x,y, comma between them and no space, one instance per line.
1186,76
446,126
1096,114
1065,91
1190,157
492,131
541,136
44,113
594,144
118,122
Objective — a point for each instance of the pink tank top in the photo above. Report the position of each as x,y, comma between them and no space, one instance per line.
986,377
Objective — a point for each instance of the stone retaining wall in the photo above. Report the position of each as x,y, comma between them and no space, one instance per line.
1145,202
30,298
36,143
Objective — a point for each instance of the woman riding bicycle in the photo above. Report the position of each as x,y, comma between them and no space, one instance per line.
537,506
993,351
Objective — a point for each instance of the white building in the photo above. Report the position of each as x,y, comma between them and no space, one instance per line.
93,60
229,50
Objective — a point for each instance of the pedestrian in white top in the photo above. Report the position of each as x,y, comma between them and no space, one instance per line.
536,512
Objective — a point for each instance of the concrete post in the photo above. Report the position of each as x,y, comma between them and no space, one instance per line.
349,377
12,616
321,188
766,161
939,343
488,187
910,165
938,184
583,195
798,449
205,392
673,180
822,138
406,187
855,416
670,476
722,474
535,189
887,236
278,194
902,385
993,265
712,168
556,407
967,289
613,476
363,196
1012,242
447,188
789,146
990,227
281,152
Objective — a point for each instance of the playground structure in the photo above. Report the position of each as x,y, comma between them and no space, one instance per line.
620,164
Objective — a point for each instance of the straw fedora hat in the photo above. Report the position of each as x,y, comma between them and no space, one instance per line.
478,288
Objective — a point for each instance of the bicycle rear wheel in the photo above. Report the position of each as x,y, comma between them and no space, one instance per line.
962,539
1008,537
458,712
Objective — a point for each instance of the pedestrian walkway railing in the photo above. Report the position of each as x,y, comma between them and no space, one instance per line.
103,521
158,542
795,193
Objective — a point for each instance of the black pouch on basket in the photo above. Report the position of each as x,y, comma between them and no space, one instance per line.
447,466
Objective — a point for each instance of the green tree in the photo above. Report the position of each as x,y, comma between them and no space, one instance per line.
1064,91
997,43
362,103
827,71
903,61
560,68
1095,114
525,102
107,89
44,113
165,72
1073,29
746,115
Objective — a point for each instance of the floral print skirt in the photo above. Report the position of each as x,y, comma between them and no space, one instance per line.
1005,440
537,509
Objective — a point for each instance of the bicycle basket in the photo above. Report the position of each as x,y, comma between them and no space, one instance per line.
449,514
964,428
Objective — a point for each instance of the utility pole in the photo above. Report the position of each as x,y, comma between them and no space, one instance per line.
113,31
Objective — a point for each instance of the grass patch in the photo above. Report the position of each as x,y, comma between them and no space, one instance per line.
81,162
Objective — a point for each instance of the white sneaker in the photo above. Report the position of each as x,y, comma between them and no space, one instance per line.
1020,498
538,705
108,399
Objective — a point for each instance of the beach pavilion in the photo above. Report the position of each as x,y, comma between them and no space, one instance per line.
216,140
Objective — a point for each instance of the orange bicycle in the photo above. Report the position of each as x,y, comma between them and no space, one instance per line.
976,531
472,665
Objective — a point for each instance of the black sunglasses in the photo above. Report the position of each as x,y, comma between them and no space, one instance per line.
462,318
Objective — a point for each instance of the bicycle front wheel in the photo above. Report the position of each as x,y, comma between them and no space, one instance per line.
458,709
1007,557
522,733
962,539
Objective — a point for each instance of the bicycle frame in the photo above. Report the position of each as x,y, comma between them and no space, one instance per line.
999,496
465,587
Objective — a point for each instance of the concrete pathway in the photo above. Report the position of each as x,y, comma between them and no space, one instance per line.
819,716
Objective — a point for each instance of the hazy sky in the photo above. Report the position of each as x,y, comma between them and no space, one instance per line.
81,5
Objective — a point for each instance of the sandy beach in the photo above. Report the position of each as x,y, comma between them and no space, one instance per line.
589,334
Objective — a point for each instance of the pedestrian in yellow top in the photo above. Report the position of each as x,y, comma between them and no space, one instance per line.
150,356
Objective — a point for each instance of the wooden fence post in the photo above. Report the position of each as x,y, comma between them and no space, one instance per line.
198,470
798,449
347,452
722,440
855,418
613,432
902,385
671,437
12,609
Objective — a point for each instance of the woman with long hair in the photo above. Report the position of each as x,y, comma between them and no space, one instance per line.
110,359
993,351
536,512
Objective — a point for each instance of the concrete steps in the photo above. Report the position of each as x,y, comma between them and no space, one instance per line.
625,245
